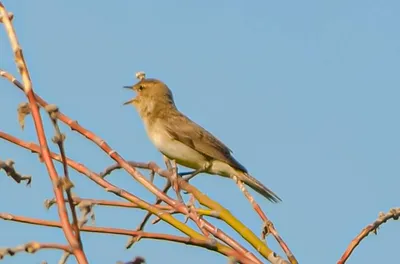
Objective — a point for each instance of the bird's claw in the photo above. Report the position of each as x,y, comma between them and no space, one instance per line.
266,229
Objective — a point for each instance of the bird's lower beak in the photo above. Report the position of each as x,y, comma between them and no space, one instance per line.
128,87
130,101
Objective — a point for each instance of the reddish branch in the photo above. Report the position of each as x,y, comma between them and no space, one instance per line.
126,195
44,150
59,140
151,166
58,188
394,214
210,244
268,225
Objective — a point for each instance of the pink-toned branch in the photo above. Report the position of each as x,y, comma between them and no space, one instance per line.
394,214
268,225
58,188
128,196
263,249
44,150
210,244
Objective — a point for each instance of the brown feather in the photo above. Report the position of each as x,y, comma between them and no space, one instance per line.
196,137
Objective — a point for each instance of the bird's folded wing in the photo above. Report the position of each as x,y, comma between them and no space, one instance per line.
196,137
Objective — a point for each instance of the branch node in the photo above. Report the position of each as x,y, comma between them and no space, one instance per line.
58,138
8,167
52,109
132,241
23,110
10,16
66,183
49,203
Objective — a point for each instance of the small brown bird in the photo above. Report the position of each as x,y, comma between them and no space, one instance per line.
182,140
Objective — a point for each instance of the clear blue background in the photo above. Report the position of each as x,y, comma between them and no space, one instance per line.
306,93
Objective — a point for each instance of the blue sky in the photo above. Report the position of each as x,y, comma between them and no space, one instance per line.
304,92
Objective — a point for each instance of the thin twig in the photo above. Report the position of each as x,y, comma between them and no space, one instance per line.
59,138
268,225
208,243
8,167
44,151
128,196
33,247
393,213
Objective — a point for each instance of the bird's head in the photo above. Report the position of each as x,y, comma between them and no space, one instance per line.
150,94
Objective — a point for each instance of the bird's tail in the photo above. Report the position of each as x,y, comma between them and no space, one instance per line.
258,187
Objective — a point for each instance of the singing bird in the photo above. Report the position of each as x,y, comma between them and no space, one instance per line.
180,139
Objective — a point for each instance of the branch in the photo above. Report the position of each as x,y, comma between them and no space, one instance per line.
210,244
33,247
58,139
393,213
8,167
142,204
232,221
268,225
44,150
78,200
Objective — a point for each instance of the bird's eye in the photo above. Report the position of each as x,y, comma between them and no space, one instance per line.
141,87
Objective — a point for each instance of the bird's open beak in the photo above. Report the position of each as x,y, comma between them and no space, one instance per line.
130,101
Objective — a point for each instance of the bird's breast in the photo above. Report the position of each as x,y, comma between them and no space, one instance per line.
174,149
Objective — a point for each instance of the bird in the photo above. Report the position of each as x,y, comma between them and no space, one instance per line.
180,139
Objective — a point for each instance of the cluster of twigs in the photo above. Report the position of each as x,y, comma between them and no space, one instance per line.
206,235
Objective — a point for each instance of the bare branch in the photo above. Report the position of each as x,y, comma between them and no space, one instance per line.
59,139
208,243
393,213
268,225
8,167
33,247
44,151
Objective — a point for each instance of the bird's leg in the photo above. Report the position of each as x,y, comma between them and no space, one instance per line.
194,173
171,166
174,181
205,168
167,162
180,174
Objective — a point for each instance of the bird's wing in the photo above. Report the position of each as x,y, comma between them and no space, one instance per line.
196,137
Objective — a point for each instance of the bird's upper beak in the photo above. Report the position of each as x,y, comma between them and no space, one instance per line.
132,100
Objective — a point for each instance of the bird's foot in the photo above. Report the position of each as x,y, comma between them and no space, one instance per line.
266,229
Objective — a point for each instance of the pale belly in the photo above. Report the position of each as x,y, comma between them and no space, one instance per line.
173,149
